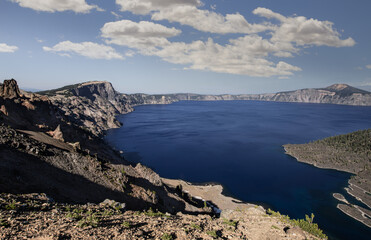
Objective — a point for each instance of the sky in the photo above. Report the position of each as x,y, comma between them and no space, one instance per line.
178,46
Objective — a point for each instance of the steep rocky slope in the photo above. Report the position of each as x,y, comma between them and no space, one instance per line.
41,150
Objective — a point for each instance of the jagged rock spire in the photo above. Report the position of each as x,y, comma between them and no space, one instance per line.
10,89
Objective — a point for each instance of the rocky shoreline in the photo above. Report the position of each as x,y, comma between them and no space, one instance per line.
335,153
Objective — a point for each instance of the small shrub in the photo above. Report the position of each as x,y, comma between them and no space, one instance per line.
167,236
108,212
90,220
305,224
152,213
231,223
195,226
74,216
11,206
126,224
212,234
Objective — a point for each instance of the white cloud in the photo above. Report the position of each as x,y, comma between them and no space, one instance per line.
78,6
368,66
245,55
137,35
303,31
230,58
186,12
7,48
252,54
87,49
148,6
208,21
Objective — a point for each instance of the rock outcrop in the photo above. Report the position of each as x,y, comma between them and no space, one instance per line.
91,105
9,89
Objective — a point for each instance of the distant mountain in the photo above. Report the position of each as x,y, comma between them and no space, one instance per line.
334,94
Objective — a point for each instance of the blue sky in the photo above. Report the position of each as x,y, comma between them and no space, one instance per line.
199,46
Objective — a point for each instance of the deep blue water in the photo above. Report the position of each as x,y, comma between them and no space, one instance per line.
239,144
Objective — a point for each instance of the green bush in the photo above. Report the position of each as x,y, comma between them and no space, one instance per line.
305,224
167,236
212,234
90,220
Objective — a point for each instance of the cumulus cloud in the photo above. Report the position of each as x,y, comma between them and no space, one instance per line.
303,31
137,35
186,12
86,49
245,55
368,66
78,6
208,21
229,58
7,48
254,54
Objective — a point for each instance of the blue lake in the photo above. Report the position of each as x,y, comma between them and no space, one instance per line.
239,145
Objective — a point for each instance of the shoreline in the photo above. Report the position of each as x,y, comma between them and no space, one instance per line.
212,193
345,207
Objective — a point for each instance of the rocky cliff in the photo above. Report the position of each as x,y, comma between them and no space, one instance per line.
334,94
91,105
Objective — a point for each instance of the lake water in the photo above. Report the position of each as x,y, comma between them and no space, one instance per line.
239,144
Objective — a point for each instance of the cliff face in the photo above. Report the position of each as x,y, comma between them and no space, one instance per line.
92,105
334,94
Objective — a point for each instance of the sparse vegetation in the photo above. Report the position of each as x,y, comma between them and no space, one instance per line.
195,226
212,234
4,223
66,90
90,220
152,213
167,236
231,223
306,224
126,224
11,206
